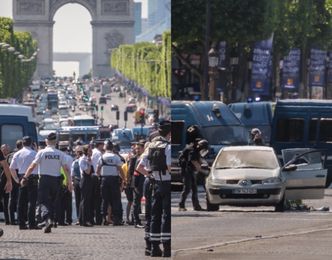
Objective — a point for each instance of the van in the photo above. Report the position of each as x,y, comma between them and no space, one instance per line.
16,121
216,122
303,123
255,115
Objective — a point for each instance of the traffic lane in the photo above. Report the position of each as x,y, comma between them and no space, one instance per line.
109,115
202,228
309,245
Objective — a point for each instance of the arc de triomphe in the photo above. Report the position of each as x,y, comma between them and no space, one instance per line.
112,25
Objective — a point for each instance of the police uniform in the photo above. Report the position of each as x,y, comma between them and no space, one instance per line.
76,177
110,185
49,161
160,227
189,177
27,197
65,207
96,196
85,214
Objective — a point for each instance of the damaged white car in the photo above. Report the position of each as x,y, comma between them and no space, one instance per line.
253,176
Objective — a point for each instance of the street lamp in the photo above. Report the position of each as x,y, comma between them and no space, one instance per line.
213,58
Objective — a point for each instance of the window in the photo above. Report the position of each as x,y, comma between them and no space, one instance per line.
313,130
290,130
10,134
325,130
177,130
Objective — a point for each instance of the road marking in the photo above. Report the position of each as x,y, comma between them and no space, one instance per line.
206,247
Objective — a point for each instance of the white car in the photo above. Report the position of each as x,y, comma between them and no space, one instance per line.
252,176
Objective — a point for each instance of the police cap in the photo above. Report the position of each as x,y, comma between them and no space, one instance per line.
51,136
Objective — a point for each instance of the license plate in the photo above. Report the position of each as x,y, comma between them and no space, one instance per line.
244,191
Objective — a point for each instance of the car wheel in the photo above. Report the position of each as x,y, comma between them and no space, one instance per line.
210,206
280,206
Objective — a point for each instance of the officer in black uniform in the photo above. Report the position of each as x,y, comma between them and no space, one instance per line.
109,169
27,197
50,160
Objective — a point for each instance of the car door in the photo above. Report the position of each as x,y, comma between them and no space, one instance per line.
308,180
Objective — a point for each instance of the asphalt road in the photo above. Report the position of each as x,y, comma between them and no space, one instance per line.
251,233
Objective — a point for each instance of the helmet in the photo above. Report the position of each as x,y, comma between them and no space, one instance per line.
255,131
203,147
192,133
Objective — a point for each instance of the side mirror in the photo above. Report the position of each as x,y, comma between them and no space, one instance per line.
290,168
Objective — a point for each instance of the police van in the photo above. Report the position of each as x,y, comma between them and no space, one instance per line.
216,122
303,123
16,121
255,115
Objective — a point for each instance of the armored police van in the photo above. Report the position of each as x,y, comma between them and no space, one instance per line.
216,122
255,115
16,121
303,123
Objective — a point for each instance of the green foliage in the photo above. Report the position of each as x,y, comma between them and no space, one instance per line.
15,73
147,64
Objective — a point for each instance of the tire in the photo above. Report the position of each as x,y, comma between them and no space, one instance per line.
280,206
210,206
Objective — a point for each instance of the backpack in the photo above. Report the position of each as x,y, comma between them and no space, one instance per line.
157,156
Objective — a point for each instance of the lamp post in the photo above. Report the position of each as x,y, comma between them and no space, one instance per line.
213,58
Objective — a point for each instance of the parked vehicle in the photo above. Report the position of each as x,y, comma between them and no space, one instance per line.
252,176
300,123
216,122
84,120
16,121
255,115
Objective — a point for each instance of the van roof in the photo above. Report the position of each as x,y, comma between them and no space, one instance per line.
203,112
16,110
305,102
247,148
81,117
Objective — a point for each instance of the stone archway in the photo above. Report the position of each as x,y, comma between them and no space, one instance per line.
112,24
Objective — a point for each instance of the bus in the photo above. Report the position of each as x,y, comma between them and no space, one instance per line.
84,120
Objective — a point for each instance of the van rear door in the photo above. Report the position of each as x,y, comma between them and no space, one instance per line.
309,178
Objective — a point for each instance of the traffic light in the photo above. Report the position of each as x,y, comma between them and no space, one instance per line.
125,115
96,106
101,108
118,115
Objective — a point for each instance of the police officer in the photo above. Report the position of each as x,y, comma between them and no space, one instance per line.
86,170
138,186
96,196
49,162
160,229
109,169
65,207
76,177
194,153
6,186
256,137
27,197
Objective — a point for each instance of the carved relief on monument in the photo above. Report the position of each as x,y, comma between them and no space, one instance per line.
115,7
30,7
113,39
91,3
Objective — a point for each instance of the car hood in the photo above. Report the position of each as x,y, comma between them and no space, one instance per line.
239,174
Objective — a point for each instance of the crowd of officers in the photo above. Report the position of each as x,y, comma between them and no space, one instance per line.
44,180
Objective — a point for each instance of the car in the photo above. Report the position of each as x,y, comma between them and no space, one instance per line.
252,176
108,96
102,100
114,107
131,108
